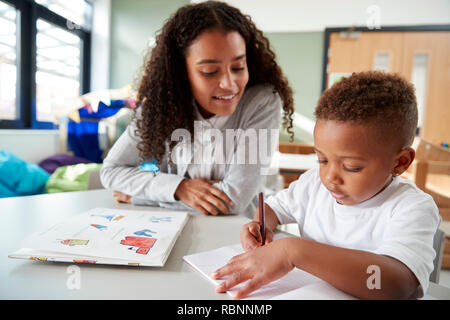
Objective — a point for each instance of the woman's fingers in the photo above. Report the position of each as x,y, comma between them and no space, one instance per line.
213,200
217,203
221,195
121,197
200,209
209,207
201,195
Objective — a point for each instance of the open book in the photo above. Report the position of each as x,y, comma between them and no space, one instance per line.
297,284
108,236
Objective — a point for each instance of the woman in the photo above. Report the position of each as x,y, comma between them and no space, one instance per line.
211,69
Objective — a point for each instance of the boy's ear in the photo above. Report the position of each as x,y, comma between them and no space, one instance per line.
403,160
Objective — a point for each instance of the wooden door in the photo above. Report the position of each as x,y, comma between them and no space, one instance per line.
400,52
435,46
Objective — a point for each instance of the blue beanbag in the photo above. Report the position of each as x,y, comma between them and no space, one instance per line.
20,178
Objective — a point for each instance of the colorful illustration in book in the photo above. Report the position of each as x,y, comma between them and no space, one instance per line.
143,244
99,227
38,258
145,233
74,242
160,219
84,261
107,217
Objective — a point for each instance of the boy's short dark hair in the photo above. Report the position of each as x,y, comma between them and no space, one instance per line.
384,100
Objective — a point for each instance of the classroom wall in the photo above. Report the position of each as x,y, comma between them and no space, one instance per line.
100,45
134,24
30,145
299,55
307,15
294,27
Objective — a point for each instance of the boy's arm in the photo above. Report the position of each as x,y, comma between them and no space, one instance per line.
345,269
360,273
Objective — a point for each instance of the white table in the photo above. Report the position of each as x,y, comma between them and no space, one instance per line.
23,279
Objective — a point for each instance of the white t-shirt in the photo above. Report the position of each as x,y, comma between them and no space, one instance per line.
399,222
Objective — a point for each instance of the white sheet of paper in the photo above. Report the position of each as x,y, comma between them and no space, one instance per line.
297,284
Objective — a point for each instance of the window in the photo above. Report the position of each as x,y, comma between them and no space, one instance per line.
77,12
382,61
57,69
8,69
44,59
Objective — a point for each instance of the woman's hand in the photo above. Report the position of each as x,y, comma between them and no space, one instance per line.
200,195
260,266
251,236
121,197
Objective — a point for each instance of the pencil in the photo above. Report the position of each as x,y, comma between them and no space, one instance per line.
262,218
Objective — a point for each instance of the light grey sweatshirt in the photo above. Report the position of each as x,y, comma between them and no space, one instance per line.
259,108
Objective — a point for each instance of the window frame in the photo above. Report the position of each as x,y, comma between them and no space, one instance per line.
29,12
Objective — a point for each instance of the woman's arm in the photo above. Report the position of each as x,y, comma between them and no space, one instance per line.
120,172
241,182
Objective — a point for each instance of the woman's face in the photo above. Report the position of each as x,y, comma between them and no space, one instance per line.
217,71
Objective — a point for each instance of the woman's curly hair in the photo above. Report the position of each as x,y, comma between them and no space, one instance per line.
384,100
164,93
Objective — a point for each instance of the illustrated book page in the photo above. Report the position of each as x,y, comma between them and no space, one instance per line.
109,236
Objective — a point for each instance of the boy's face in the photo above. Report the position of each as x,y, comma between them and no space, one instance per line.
354,164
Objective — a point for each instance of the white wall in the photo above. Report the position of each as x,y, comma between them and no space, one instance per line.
30,145
100,45
316,15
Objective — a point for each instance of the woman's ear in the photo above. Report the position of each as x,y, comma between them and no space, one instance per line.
403,160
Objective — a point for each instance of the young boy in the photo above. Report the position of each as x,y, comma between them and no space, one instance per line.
353,212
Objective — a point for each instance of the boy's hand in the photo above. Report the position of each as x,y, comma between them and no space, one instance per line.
260,266
251,236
